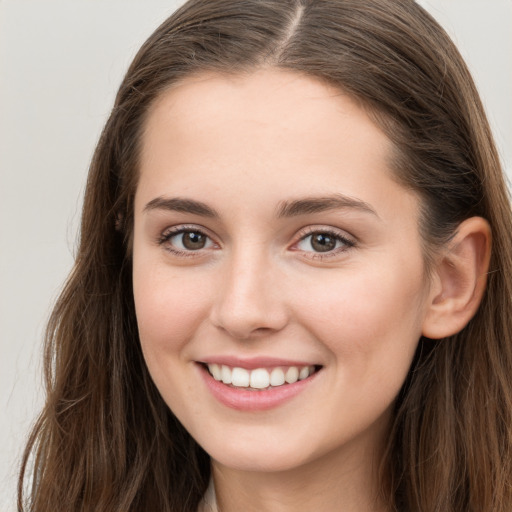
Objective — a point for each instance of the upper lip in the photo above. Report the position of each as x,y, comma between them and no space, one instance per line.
254,362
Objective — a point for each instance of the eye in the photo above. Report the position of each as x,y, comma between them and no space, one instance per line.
185,240
324,242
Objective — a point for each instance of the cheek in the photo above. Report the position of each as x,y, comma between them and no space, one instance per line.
169,307
169,312
368,316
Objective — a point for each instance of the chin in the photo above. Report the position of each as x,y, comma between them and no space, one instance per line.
258,463
257,456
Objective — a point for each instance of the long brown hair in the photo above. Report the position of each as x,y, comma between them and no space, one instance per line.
106,441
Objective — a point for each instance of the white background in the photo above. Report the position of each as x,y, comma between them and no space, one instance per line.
61,62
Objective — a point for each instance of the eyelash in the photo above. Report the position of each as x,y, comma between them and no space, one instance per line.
347,243
166,236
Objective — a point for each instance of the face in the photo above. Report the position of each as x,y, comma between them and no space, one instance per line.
278,276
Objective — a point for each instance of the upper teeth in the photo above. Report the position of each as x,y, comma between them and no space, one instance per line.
260,378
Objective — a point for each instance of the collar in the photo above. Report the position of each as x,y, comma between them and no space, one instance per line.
209,501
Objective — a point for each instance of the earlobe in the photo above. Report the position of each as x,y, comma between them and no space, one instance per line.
459,280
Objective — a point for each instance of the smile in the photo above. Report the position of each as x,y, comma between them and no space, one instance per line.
259,378
265,385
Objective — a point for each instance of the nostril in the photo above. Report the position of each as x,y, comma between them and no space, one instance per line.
261,331
246,332
245,309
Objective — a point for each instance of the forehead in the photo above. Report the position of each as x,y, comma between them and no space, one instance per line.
266,135
268,102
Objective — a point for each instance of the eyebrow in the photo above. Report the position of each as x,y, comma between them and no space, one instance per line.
178,204
307,205
292,208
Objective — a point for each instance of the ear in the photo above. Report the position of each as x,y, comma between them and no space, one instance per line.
459,280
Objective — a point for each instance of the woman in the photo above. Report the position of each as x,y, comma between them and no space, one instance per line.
285,295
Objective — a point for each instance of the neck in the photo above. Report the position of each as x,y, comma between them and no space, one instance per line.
341,481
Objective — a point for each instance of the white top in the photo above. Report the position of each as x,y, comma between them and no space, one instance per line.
209,501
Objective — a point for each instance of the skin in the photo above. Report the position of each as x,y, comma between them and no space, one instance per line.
243,145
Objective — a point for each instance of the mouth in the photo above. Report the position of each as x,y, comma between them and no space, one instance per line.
260,379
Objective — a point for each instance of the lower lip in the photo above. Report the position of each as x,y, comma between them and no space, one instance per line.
244,400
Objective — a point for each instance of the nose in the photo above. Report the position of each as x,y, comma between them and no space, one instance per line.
250,300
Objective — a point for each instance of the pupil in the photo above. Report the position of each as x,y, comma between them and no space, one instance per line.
323,243
193,240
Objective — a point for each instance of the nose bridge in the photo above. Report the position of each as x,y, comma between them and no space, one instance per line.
248,301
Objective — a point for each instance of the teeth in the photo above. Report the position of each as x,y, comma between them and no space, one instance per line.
277,377
260,378
292,375
225,374
215,371
240,378
304,373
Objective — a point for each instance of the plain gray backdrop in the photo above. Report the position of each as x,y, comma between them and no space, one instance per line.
60,65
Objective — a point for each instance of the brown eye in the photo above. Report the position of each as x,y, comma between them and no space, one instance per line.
186,240
323,242
193,240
